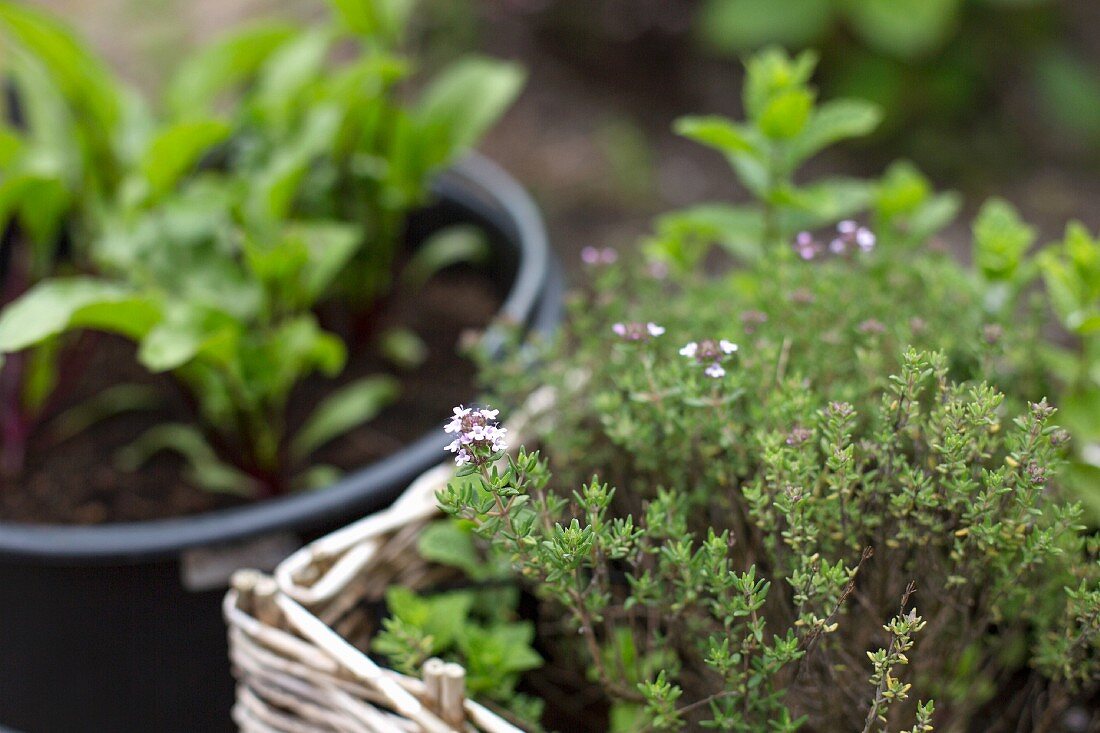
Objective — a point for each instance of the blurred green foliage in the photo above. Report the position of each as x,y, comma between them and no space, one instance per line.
930,64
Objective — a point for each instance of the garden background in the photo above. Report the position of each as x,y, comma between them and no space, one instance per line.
989,97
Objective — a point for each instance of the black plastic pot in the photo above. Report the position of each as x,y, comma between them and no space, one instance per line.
118,627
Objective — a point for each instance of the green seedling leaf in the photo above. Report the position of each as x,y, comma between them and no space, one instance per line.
772,72
204,468
684,237
186,330
343,410
498,650
834,121
464,101
41,376
450,544
403,348
719,133
175,151
49,120
116,400
786,114
935,215
290,70
385,19
275,186
1001,239
906,203
80,75
825,201
53,307
39,201
330,246
460,244
443,616
225,64
11,144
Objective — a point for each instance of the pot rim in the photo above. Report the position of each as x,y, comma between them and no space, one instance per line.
534,299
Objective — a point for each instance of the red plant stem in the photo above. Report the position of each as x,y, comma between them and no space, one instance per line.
14,426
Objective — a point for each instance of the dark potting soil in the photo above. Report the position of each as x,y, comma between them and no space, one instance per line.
77,480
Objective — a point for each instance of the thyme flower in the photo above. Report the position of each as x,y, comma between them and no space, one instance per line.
850,236
636,331
478,435
711,353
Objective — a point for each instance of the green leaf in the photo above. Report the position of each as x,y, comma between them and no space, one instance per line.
186,330
50,126
771,72
204,468
935,215
499,649
116,400
441,616
55,306
40,202
1001,239
224,64
733,26
684,237
80,75
329,247
834,121
824,202
464,101
449,543
274,188
720,133
176,150
454,245
384,19
786,114
289,70
343,410
903,28
403,348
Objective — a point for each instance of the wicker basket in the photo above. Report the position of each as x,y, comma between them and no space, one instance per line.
296,638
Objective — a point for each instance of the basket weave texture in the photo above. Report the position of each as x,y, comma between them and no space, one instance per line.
296,637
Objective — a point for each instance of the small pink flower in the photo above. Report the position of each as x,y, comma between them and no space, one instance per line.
599,256
658,270
849,236
806,246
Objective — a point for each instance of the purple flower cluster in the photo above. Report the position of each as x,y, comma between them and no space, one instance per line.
711,354
478,435
637,331
849,238
599,256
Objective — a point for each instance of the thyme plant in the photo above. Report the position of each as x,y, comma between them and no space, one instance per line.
820,491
